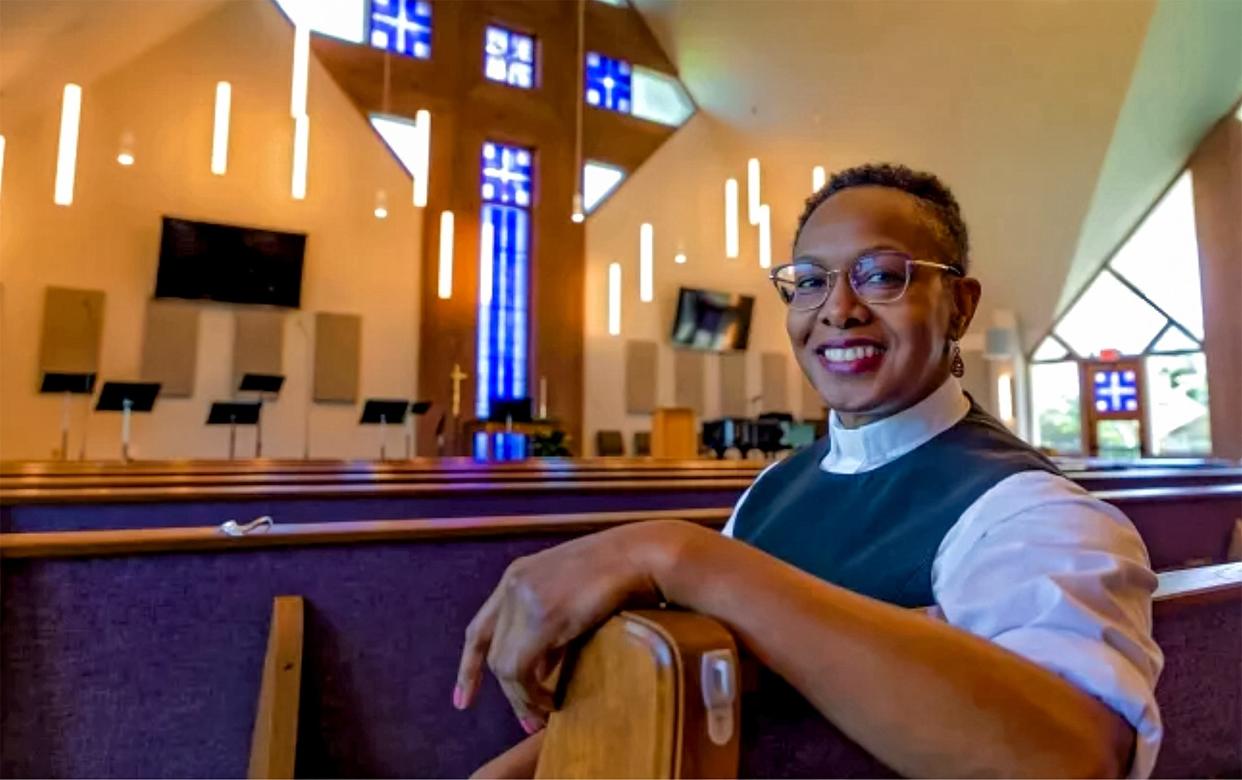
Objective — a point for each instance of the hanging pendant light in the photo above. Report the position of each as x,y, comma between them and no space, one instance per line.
125,154
578,216
381,204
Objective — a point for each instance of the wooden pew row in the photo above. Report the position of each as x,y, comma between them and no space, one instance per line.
34,486
139,653
656,726
1182,526
98,469
189,467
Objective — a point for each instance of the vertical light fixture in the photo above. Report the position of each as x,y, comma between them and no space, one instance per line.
220,130
422,156
578,216
125,154
731,219
818,178
67,152
301,65
381,204
1004,397
301,144
752,191
646,263
1,161
614,299
765,236
445,287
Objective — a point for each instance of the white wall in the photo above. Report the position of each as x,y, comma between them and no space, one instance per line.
109,238
680,191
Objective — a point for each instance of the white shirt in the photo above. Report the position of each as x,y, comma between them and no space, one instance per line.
1037,565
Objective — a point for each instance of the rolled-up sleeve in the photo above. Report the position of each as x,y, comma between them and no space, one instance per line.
1040,567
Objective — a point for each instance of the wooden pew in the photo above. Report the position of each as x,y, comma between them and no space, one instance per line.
1181,526
1198,622
138,652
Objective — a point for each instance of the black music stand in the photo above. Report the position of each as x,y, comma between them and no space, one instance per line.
380,412
417,409
233,414
268,387
69,384
127,398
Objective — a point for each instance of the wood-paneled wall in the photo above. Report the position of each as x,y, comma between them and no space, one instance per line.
1216,169
467,110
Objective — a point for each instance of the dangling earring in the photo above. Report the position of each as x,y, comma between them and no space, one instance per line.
956,366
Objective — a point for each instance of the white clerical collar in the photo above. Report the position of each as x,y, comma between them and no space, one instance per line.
855,450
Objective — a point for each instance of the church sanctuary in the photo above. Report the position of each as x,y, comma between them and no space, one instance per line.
620,388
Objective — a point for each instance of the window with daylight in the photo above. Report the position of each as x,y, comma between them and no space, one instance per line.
402,27
609,83
504,293
509,57
1144,302
344,19
598,181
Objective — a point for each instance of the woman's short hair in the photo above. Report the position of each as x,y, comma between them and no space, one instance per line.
934,195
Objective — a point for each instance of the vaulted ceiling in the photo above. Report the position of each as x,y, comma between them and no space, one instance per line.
1057,123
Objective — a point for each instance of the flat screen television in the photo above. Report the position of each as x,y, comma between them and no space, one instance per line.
228,263
710,320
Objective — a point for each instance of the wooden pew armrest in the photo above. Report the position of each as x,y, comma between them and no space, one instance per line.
652,693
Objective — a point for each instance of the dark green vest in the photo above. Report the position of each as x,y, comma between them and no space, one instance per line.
877,533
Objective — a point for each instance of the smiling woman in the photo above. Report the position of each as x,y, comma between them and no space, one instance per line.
1029,588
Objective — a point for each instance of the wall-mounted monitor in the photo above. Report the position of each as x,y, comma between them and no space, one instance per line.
229,263
710,320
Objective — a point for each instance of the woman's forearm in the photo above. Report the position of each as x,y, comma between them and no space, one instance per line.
920,695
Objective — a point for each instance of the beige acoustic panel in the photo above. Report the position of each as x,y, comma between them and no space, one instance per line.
72,331
641,376
258,343
689,367
733,384
170,347
338,354
774,371
812,402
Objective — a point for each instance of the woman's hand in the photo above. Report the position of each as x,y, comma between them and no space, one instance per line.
548,599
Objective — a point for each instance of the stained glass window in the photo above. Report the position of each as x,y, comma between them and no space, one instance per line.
509,57
608,82
506,174
1116,390
402,27
504,292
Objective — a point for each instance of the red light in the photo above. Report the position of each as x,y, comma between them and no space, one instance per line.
1110,355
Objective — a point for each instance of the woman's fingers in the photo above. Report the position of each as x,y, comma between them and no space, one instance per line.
479,635
518,653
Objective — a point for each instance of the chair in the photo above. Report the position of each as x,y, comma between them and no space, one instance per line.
609,443
642,443
652,693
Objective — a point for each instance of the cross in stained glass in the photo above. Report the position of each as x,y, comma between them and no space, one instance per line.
506,174
608,82
509,57
1116,391
402,27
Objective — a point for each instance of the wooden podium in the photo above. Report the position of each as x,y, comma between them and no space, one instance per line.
674,433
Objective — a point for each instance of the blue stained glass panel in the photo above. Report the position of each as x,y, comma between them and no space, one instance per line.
609,83
509,57
402,27
1116,391
507,174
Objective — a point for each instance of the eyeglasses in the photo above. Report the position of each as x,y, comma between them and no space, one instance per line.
877,277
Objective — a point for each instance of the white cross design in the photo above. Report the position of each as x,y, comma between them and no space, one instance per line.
1115,391
402,25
